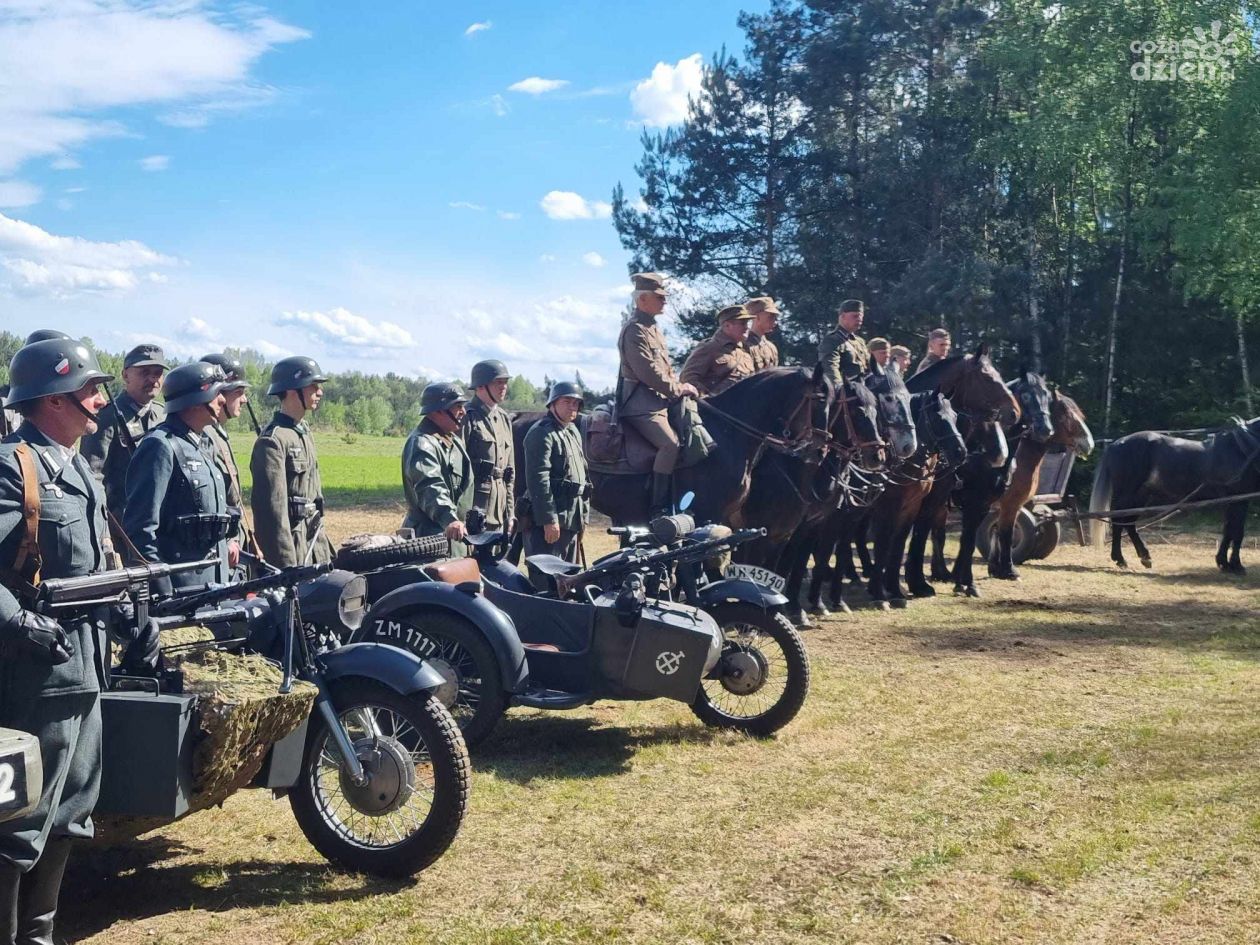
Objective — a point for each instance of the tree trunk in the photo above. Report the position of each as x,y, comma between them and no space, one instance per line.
1242,363
1124,250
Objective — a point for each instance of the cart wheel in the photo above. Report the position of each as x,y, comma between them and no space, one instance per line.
1049,532
1023,536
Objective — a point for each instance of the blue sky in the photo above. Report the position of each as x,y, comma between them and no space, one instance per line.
409,189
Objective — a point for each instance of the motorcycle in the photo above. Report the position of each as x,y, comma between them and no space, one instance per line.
377,776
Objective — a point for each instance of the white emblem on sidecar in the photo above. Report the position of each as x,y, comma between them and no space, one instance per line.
667,663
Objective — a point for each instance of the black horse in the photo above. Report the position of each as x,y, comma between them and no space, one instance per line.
1144,469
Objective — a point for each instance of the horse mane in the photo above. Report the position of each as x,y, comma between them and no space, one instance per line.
930,377
761,384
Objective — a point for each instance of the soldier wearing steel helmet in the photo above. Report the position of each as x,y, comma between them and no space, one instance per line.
437,472
51,672
288,497
177,508
235,399
136,409
718,362
555,473
487,431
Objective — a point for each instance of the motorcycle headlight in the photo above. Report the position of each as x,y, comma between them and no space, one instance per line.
336,601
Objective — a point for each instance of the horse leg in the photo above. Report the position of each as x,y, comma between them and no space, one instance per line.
792,560
1144,554
940,567
1229,553
972,513
1001,565
823,547
844,551
892,568
863,552
1117,543
915,579
875,584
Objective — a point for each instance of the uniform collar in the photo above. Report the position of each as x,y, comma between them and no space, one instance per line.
179,428
845,333
477,405
128,405
282,419
51,454
643,317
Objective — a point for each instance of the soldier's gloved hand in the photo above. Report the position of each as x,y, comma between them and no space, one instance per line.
143,655
36,635
689,390
456,531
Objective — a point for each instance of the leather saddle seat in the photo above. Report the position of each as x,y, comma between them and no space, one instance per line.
455,571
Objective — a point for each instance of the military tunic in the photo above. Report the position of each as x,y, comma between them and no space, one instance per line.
555,474
716,364
437,480
487,432
647,386
177,507
58,704
765,354
108,455
843,355
928,360
226,461
288,497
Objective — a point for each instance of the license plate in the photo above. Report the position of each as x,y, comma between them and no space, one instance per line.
12,781
750,572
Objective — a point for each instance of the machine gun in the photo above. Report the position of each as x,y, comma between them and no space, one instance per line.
57,595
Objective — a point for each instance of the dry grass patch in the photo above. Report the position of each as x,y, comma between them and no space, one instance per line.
1071,758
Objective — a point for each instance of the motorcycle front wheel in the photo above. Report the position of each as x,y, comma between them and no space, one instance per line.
410,807
762,677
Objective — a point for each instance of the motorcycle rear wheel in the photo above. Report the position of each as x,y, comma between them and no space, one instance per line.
410,810
762,678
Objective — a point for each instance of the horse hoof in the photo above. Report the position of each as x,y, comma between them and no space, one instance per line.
1146,562
840,607
816,609
799,618
883,605
851,575
899,603
922,590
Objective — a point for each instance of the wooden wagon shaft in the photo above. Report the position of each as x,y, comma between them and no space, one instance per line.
1155,509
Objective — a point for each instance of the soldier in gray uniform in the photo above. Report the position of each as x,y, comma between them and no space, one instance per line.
177,506
50,674
487,433
555,471
842,353
134,408
437,473
235,400
288,497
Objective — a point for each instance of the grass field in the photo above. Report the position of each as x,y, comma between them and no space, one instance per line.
1072,758
357,470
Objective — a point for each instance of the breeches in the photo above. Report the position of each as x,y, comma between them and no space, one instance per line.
69,730
657,431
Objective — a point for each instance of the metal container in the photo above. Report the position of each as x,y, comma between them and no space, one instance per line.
664,655
148,745
21,773
283,764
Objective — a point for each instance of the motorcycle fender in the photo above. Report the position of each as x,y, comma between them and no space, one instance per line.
494,624
400,669
745,592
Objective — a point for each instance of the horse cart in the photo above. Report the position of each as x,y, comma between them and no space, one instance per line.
1038,526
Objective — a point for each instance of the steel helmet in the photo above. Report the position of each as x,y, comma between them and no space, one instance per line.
293,374
440,396
46,334
52,366
485,372
232,369
191,384
564,389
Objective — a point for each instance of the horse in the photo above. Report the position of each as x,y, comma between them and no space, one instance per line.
1068,430
894,511
1148,468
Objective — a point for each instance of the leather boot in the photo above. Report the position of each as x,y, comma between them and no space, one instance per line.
10,883
662,495
41,887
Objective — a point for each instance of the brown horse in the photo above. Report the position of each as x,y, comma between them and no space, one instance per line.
1070,432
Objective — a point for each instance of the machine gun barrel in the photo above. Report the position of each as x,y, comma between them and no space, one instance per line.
68,592
693,552
287,577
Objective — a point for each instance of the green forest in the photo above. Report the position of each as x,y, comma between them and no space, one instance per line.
1076,184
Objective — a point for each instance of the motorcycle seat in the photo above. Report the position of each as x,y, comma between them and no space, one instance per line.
455,571
542,568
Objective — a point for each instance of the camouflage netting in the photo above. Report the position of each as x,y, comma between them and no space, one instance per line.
240,715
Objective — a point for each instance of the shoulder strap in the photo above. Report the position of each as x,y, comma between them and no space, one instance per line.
28,562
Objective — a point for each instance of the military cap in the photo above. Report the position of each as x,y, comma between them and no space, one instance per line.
564,389
733,313
877,344
763,303
938,333
852,305
487,372
44,334
649,282
190,385
52,366
145,356
233,370
899,349
294,373
440,396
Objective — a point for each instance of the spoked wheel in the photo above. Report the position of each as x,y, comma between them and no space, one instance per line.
410,806
473,691
762,677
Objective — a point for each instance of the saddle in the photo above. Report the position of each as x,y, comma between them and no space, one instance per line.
617,449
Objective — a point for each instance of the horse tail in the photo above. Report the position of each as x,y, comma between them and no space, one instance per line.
1100,498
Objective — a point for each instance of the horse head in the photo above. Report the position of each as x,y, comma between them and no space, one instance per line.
1033,394
1070,429
985,438
937,424
854,422
894,415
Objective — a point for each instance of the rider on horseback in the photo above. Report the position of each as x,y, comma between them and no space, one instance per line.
841,352
718,362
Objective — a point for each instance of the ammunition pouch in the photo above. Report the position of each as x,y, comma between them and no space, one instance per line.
207,528
509,475
572,489
302,508
485,469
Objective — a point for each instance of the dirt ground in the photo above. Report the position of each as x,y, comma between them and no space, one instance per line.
1072,758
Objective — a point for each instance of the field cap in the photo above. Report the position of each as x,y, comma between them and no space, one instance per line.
763,303
649,282
145,356
733,313
852,305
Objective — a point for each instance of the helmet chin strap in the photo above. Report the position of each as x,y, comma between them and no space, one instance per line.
94,417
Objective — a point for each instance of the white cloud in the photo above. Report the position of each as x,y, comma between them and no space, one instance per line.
65,163
40,262
508,215
475,28
498,104
198,329
562,336
341,326
661,100
547,257
155,162
63,63
594,259
464,205
566,205
18,193
536,85
269,349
